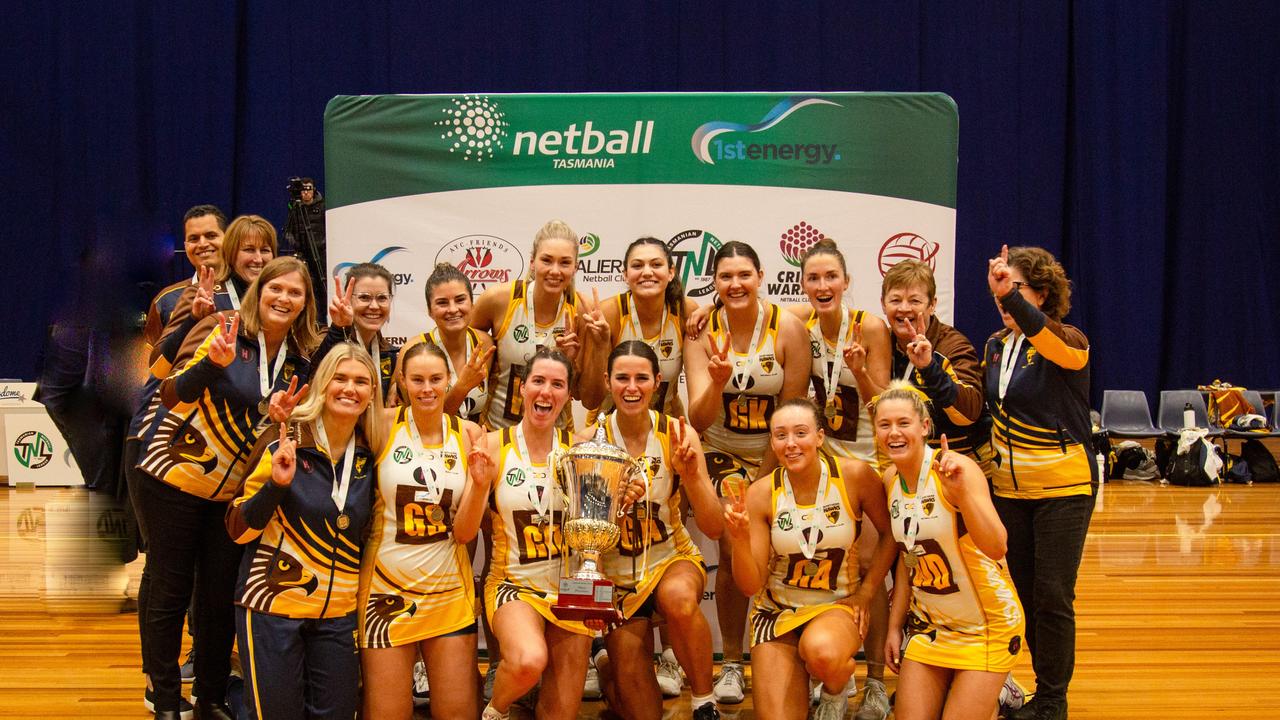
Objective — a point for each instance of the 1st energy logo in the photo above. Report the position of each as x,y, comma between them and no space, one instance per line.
398,278
709,148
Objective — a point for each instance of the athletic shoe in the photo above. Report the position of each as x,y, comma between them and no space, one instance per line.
491,714
1012,695
815,689
591,686
706,711
875,702
189,667
489,676
670,676
730,687
1051,710
185,709
421,690
831,708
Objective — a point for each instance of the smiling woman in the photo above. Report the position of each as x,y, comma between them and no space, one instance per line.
198,435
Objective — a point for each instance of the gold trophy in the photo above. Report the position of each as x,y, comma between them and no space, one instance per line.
593,477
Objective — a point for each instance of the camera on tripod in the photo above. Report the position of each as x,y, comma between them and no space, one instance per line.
295,188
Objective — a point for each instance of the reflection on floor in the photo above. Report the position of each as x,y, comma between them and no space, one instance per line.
1178,607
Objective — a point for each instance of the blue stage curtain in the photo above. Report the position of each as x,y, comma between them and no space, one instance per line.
1136,140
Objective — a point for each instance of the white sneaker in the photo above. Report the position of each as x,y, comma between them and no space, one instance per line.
730,687
670,676
421,690
831,709
1012,695
491,714
591,687
875,703
815,689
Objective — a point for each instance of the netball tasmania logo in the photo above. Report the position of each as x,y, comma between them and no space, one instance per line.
33,449
474,127
797,239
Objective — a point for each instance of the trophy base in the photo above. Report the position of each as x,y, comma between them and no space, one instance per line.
586,599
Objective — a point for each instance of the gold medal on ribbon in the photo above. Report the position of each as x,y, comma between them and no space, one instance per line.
344,522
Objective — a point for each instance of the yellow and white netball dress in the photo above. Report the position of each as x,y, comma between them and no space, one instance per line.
416,580
813,562
964,613
528,543
518,338
846,419
653,533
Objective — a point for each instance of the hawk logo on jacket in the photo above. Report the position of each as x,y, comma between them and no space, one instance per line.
380,612
272,573
179,444
360,463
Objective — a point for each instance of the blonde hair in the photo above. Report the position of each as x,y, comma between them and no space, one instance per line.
303,333
241,229
906,274
552,229
903,390
371,420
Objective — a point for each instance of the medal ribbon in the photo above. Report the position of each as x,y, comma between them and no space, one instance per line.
833,355
343,485
541,505
419,450
266,381
469,348
740,376
809,534
232,294
913,520
531,311
639,326
1009,361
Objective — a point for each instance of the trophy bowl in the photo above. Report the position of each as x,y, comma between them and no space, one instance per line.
593,477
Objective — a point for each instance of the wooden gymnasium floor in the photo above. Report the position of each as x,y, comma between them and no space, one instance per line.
1179,610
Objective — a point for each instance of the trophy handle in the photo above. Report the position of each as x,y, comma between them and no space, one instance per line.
637,469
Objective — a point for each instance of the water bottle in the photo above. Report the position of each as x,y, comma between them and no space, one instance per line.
1188,417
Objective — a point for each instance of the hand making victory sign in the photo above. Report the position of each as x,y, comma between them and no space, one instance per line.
284,401
737,521
568,340
920,350
950,472
203,304
480,465
476,369
284,459
222,349
719,366
340,312
855,353
684,457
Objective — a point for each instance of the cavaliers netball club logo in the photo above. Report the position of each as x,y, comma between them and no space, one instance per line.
33,449
907,246
797,240
485,259
473,126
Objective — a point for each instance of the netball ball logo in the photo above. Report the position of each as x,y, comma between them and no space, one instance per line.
588,244
474,127
907,246
797,240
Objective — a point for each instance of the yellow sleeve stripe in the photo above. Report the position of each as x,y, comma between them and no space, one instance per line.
1058,352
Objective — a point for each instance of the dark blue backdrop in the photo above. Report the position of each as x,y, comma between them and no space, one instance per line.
1136,140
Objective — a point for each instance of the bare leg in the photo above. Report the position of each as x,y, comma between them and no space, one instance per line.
731,606
562,680
974,695
786,695
520,628
928,686
679,595
877,628
631,659
388,681
455,687
827,644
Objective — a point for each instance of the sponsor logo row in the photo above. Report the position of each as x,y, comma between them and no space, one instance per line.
489,259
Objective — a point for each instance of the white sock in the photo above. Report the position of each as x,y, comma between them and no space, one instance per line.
700,700
828,697
669,654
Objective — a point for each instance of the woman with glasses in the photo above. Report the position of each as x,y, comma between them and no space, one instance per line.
1037,373
360,307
